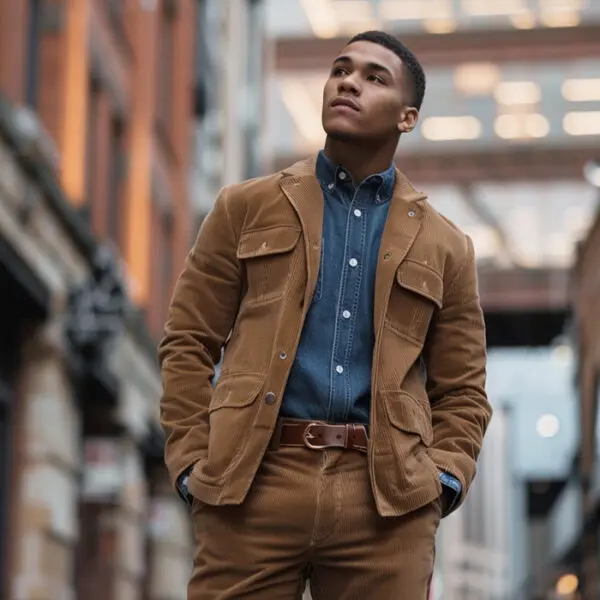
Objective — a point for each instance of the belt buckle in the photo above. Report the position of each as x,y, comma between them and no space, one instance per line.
307,436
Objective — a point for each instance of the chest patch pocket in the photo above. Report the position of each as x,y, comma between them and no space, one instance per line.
267,258
417,292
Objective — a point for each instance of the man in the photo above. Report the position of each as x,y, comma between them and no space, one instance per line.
350,409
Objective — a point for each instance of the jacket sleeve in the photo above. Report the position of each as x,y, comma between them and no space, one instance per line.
455,360
203,309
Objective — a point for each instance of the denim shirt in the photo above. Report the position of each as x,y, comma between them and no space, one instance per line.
330,379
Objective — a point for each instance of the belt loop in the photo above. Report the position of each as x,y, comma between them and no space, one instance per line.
276,437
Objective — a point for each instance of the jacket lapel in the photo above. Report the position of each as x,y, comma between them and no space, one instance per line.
300,185
403,223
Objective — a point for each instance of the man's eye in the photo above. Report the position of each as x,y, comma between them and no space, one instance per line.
339,71
376,78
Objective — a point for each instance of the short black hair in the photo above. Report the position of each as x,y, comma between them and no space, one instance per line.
410,61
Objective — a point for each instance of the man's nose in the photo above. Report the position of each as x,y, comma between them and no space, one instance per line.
349,85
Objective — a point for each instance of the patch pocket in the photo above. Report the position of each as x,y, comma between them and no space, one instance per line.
417,293
266,254
406,414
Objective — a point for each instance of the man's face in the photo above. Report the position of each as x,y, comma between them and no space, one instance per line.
367,95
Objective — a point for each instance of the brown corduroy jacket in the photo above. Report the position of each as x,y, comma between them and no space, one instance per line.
247,285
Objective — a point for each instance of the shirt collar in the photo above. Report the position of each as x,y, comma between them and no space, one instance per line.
331,175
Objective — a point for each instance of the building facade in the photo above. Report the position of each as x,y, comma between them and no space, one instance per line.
231,62
587,303
96,100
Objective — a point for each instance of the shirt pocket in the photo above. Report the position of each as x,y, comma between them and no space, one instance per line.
416,294
267,256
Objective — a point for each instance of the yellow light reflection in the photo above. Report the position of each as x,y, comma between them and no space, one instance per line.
451,128
476,79
582,123
517,92
581,90
487,8
322,18
567,584
525,20
560,19
527,126
408,10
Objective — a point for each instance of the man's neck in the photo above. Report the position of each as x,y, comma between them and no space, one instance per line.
359,160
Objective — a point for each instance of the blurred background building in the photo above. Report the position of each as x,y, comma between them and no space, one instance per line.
119,119
119,122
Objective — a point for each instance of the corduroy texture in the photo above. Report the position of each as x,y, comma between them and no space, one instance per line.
312,514
252,273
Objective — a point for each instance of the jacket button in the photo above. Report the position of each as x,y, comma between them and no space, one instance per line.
270,398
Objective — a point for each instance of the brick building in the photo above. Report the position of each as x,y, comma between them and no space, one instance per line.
95,108
587,314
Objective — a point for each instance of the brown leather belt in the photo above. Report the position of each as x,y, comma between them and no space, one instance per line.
318,435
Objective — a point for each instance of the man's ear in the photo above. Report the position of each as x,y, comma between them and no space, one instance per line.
408,119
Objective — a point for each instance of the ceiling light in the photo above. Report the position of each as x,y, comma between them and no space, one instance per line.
581,90
451,128
560,19
525,20
582,123
561,5
353,10
526,126
485,8
476,79
322,17
439,26
547,426
414,10
517,92
567,585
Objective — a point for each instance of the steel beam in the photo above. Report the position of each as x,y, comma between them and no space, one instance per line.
537,45
508,163
524,289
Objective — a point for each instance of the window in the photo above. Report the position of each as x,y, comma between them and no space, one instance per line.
115,9
116,176
33,52
91,171
162,265
166,63
105,165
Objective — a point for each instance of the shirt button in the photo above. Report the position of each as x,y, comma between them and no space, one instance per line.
353,262
411,213
270,398
357,213
283,356
346,314
339,369
331,186
342,175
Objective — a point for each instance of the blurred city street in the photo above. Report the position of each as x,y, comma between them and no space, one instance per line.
120,121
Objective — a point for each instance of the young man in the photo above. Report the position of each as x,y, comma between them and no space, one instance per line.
350,409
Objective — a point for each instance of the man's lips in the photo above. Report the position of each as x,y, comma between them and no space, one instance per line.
347,102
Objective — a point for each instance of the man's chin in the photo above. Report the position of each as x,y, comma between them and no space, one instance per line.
345,134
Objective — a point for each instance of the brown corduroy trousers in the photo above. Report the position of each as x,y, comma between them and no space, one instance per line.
311,514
